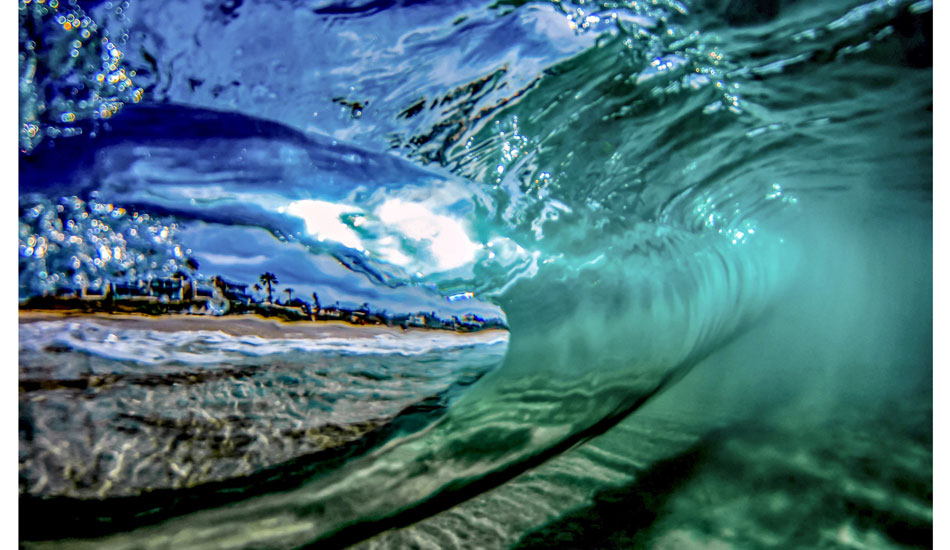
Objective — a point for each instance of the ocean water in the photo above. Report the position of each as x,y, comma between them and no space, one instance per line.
707,226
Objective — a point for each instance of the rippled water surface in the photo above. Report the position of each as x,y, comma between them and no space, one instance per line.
699,232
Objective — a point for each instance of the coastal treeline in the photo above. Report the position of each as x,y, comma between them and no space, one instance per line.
181,294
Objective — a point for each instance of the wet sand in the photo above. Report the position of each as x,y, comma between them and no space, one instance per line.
243,325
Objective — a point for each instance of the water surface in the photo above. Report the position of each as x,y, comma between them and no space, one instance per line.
708,227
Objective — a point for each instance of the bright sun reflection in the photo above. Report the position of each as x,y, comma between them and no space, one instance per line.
324,220
396,220
448,242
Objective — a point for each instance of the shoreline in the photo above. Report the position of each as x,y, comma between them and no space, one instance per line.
239,324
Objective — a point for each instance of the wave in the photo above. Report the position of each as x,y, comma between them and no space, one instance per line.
632,189
214,345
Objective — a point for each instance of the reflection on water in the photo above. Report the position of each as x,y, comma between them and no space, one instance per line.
137,407
714,216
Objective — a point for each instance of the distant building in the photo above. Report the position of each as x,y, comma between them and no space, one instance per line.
377,318
232,291
182,293
167,289
202,292
329,313
472,321
88,293
138,290
399,320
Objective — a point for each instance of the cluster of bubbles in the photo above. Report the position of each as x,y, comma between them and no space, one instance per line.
672,59
70,71
71,244
687,60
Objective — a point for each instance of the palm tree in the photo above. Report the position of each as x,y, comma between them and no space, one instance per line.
316,301
269,279
257,289
289,292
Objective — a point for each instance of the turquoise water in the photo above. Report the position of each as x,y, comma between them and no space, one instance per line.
707,226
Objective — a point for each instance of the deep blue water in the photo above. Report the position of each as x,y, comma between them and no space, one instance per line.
707,225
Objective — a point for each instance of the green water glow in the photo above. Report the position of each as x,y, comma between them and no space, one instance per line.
716,219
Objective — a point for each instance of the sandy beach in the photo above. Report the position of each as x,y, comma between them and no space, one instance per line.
243,325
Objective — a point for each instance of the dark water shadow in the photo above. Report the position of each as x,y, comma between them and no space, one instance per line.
82,518
722,492
624,511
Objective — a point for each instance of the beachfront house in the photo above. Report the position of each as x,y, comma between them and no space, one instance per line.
471,321
398,320
329,313
202,292
167,289
139,290
234,292
87,292
417,320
